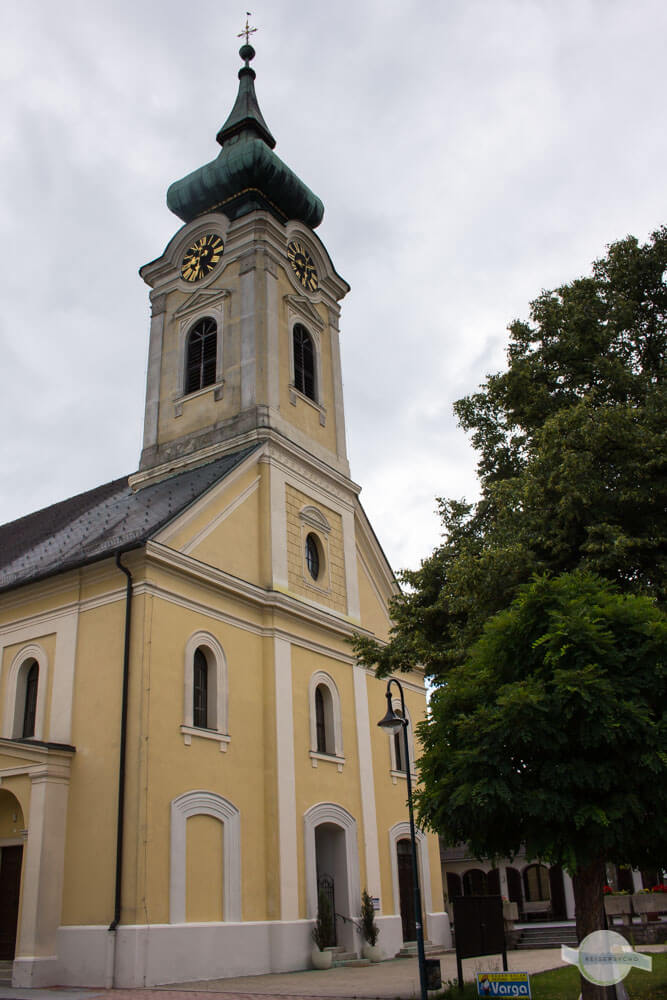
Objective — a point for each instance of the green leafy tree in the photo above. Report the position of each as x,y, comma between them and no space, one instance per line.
572,472
553,734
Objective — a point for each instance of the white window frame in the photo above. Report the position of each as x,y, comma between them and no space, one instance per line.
12,727
217,693
333,719
186,325
203,803
394,770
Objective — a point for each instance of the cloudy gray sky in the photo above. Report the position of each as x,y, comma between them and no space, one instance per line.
468,152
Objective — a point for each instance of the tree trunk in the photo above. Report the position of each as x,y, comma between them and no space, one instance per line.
587,883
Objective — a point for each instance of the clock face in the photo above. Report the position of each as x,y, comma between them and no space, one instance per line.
302,265
201,257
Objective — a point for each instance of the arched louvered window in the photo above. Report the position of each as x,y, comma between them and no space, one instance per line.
399,745
30,706
200,690
304,361
201,355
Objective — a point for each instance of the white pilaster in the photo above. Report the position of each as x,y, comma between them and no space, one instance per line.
367,783
43,871
60,724
278,527
152,409
351,572
247,333
287,850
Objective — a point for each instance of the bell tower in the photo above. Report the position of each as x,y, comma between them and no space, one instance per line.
244,338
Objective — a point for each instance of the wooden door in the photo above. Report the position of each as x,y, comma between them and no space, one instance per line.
10,887
406,889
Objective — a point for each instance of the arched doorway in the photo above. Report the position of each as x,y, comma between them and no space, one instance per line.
11,860
406,893
332,864
331,868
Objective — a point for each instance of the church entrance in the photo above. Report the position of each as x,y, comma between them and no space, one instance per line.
332,876
406,889
10,889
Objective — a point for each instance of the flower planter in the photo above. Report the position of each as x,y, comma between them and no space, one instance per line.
618,906
321,959
373,952
650,902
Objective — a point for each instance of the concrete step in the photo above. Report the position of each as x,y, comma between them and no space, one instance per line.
6,973
409,950
353,963
547,937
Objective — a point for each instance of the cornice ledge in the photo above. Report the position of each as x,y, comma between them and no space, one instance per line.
274,600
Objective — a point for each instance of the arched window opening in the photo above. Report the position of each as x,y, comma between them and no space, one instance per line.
399,745
205,707
30,704
326,730
304,361
201,355
536,884
324,720
474,882
320,722
313,555
200,690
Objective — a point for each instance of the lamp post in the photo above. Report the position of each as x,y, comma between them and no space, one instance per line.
392,723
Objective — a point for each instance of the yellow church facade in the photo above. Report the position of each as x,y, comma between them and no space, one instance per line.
189,750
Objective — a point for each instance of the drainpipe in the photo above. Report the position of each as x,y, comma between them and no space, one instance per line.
121,764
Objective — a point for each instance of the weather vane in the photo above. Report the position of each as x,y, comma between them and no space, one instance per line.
247,31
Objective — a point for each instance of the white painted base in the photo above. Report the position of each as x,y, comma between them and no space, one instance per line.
140,955
34,972
438,930
177,953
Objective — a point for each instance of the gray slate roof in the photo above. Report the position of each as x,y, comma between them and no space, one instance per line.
100,522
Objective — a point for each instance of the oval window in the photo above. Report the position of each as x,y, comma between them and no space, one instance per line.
312,556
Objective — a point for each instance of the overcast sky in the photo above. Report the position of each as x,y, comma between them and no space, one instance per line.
469,153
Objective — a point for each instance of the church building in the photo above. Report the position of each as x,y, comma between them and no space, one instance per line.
189,752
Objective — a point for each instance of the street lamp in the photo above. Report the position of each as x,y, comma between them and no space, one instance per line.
392,723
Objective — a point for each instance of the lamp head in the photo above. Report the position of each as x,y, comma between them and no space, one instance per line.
391,722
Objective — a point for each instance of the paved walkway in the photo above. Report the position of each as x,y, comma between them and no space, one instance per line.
397,979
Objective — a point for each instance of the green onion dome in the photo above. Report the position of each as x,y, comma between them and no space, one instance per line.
247,174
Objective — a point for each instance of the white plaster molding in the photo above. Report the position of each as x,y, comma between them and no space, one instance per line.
217,681
333,719
15,692
210,497
287,840
330,812
202,803
394,769
350,566
278,501
222,516
62,686
367,783
248,359
216,313
401,831
315,518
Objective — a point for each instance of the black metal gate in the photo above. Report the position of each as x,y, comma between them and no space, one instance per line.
325,888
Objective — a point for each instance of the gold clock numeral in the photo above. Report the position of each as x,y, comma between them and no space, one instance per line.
302,265
202,257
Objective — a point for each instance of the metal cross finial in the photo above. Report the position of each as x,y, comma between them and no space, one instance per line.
247,31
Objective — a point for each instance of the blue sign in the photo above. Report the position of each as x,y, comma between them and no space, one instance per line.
503,984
